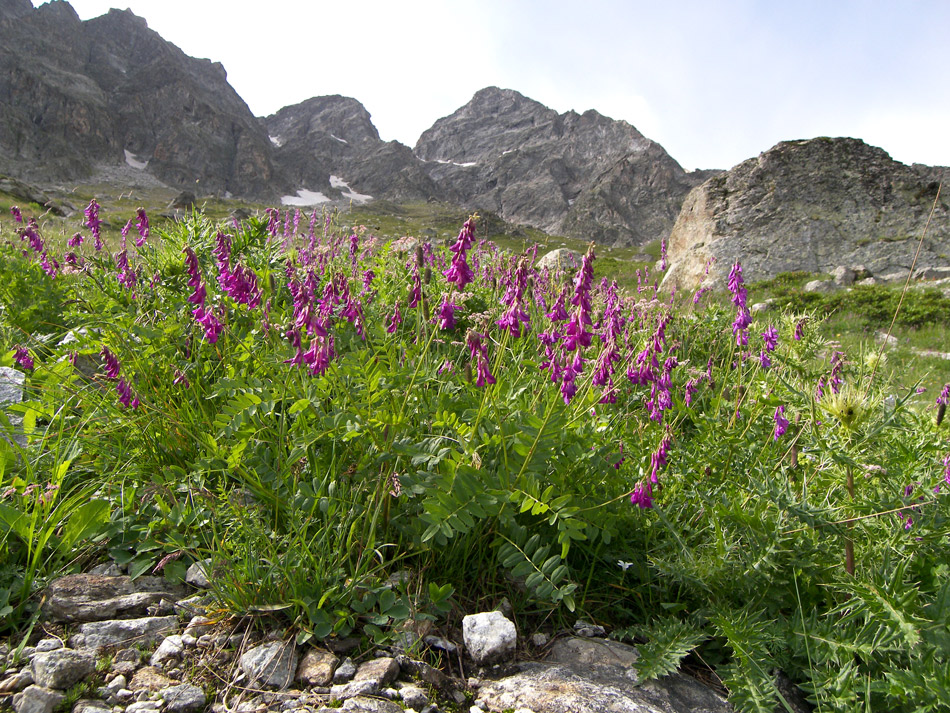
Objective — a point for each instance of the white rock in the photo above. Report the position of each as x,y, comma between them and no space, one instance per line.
171,648
489,636
197,574
36,699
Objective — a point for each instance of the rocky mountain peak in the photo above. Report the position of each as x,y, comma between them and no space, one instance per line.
12,9
341,118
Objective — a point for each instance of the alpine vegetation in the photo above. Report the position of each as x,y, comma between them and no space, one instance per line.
316,410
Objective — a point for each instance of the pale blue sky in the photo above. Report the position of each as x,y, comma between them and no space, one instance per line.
713,82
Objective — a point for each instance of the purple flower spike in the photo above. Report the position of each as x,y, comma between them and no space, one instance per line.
75,241
141,223
770,337
781,423
112,364
23,358
17,215
479,353
445,315
395,320
93,222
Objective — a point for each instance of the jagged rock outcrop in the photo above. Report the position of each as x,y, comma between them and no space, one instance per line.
111,91
811,205
579,174
334,136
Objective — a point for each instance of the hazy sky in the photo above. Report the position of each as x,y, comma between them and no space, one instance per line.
713,82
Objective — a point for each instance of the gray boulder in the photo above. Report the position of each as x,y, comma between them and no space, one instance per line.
489,637
184,698
91,597
62,668
562,259
810,205
123,632
272,664
36,699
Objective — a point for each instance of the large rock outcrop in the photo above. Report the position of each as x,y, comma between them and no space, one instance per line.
75,95
811,205
579,174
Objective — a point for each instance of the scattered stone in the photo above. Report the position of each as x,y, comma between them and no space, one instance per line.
932,273
188,641
16,682
36,699
437,642
86,705
198,626
382,670
62,668
197,574
414,697
539,640
149,679
143,707
123,632
117,683
272,664
345,671
170,649
363,704
185,698
820,286
586,629
843,276
425,673
317,667
561,259
763,306
92,597
868,282
489,636
46,645
593,652
344,691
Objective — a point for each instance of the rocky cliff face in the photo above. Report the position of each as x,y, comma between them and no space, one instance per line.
76,94
811,205
580,174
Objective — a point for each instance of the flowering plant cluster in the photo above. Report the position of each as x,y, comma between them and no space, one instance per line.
337,406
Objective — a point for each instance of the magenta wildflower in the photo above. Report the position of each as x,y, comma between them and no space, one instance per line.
22,357
781,423
124,390
459,273
415,290
659,458
558,313
181,378
209,322
837,363
770,337
479,354
642,496
800,329
445,315
765,361
946,472
93,222
141,224
273,218
17,215
395,320
661,266
75,241
944,396
112,365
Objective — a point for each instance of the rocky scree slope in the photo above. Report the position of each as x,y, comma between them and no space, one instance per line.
109,90
811,205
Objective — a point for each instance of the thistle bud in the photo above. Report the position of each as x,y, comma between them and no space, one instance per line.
427,275
941,411
420,256
272,282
